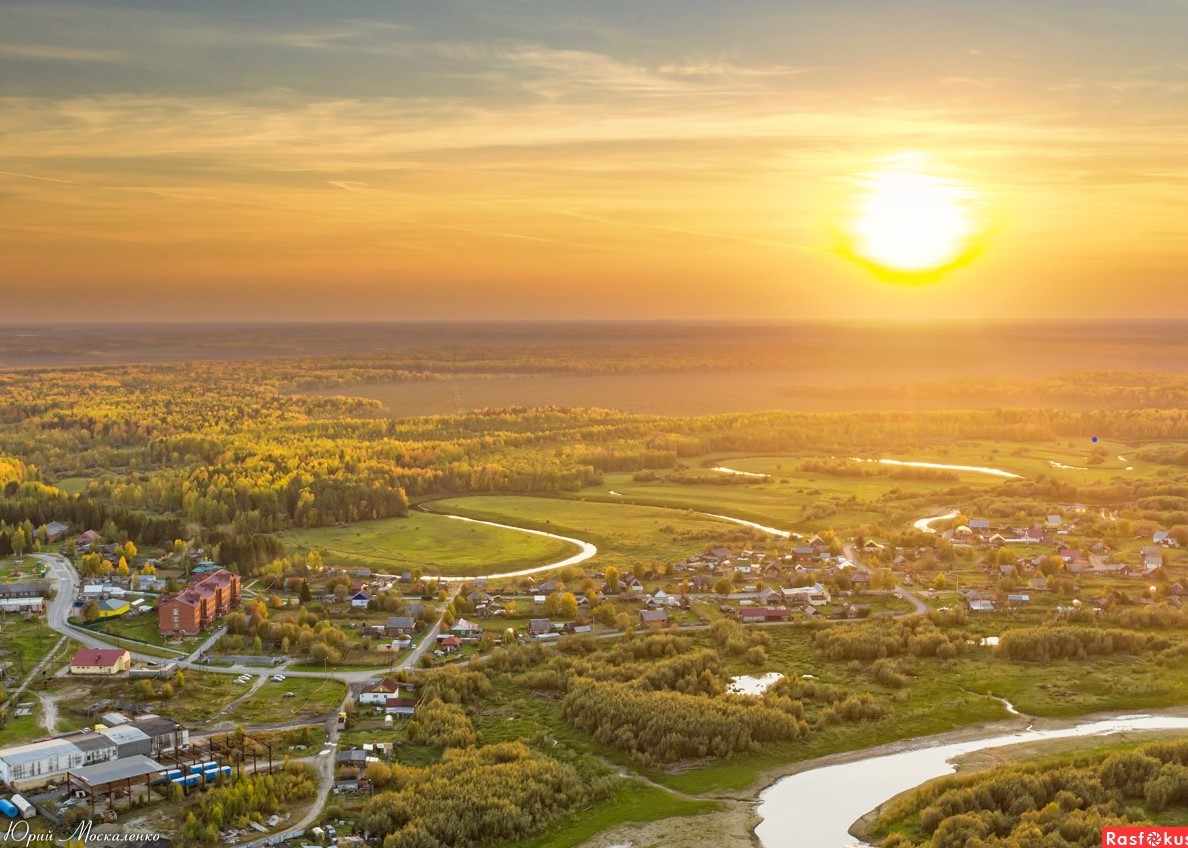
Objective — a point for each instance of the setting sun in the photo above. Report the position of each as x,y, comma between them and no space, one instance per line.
911,219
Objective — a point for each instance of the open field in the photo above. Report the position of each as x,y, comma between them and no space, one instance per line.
782,503
24,642
433,543
201,697
624,534
311,698
634,801
144,628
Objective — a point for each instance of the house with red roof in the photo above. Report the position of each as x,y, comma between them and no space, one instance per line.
100,661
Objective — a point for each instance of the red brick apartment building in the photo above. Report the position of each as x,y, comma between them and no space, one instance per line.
196,607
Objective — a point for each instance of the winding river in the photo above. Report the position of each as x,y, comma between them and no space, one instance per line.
585,552
976,469
816,808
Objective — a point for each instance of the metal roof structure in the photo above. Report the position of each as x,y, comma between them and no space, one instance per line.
35,751
92,742
125,734
125,768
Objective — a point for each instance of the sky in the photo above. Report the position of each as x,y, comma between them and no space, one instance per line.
582,160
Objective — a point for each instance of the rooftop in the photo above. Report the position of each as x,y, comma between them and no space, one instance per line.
125,768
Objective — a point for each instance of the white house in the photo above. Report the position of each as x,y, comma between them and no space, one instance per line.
378,693
815,595
360,600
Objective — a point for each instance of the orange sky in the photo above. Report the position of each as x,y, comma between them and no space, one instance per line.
580,159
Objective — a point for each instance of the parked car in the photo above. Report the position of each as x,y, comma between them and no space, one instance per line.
278,678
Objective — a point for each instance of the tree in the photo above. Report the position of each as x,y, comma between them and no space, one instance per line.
612,579
130,549
179,548
122,568
305,595
567,606
90,611
20,542
724,586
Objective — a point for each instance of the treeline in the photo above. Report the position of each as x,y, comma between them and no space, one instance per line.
1044,644
242,801
478,796
664,727
1037,804
225,444
856,468
41,504
917,637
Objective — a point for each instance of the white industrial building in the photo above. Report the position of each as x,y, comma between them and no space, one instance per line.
38,763
35,764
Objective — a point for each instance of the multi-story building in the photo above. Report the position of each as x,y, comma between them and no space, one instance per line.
196,607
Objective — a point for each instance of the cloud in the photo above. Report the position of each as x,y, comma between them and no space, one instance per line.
60,53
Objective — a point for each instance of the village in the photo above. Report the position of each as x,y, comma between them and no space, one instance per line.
160,617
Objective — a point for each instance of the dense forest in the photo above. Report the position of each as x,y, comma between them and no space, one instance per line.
477,796
166,451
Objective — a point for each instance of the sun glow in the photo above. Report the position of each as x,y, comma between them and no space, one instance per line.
912,219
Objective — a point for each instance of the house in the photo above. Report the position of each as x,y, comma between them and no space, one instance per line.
110,608
815,595
23,605
360,600
979,524
462,627
100,661
195,608
1038,583
400,624
379,691
753,614
1018,599
88,539
962,532
451,644
1165,538
404,707
36,589
653,619
981,606
771,596
55,530
537,626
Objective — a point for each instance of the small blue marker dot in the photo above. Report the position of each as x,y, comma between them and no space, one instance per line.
1095,438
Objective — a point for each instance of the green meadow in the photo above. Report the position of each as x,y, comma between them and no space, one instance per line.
434,543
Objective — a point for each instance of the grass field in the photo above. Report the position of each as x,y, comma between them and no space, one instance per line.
23,643
73,485
434,543
144,628
634,801
624,534
311,698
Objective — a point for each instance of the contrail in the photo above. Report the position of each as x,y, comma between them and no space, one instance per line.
35,177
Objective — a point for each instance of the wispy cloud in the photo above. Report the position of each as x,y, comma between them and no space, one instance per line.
60,53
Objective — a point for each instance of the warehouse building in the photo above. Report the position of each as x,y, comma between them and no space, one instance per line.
38,763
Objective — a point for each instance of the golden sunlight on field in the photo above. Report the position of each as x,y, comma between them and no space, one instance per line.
913,221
